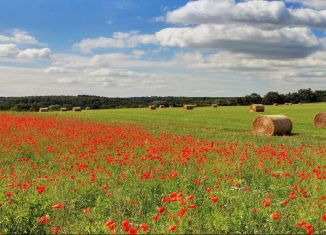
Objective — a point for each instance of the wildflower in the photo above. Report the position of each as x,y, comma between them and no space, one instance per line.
156,217
192,206
9,194
285,202
172,228
111,225
214,199
43,220
86,211
293,196
40,189
266,203
301,224
182,212
126,225
323,217
190,197
57,206
276,216
132,230
55,229
144,227
161,209
166,199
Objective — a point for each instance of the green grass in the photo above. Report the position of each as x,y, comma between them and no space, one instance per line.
222,123
242,170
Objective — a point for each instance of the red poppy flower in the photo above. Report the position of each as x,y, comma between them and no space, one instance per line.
161,209
55,229
192,206
110,224
86,211
172,228
285,202
324,217
57,206
144,227
156,217
266,203
190,197
276,216
43,220
214,199
40,189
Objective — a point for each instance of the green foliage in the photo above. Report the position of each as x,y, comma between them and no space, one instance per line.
33,103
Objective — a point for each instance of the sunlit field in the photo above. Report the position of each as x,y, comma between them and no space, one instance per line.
161,171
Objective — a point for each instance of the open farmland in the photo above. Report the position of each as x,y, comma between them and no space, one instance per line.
161,171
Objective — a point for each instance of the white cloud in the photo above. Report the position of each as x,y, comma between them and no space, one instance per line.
118,40
250,12
282,43
19,37
8,50
43,53
55,70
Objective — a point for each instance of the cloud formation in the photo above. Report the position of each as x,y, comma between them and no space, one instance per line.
260,28
281,43
19,37
251,12
118,40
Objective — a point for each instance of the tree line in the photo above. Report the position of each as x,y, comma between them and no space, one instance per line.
33,103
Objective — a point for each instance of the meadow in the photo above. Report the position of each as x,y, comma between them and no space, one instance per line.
161,171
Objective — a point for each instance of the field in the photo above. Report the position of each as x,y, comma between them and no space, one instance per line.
161,171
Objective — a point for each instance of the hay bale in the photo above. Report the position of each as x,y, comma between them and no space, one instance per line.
214,105
275,104
272,125
76,109
320,120
63,109
152,107
188,106
162,106
257,108
42,110
88,108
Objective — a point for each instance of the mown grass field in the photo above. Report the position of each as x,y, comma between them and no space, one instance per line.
222,123
161,171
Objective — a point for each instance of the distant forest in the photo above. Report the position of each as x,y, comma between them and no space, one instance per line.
33,103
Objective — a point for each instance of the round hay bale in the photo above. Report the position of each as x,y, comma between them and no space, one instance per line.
189,106
76,109
272,125
88,108
320,120
214,105
162,106
42,110
152,107
257,108
63,109
275,104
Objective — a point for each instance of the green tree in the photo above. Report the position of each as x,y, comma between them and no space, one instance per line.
272,97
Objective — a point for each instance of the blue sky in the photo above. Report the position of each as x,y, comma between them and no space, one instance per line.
162,47
61,23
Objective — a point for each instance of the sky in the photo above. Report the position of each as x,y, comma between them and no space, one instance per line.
123,48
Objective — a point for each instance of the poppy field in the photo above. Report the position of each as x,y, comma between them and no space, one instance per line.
170,172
